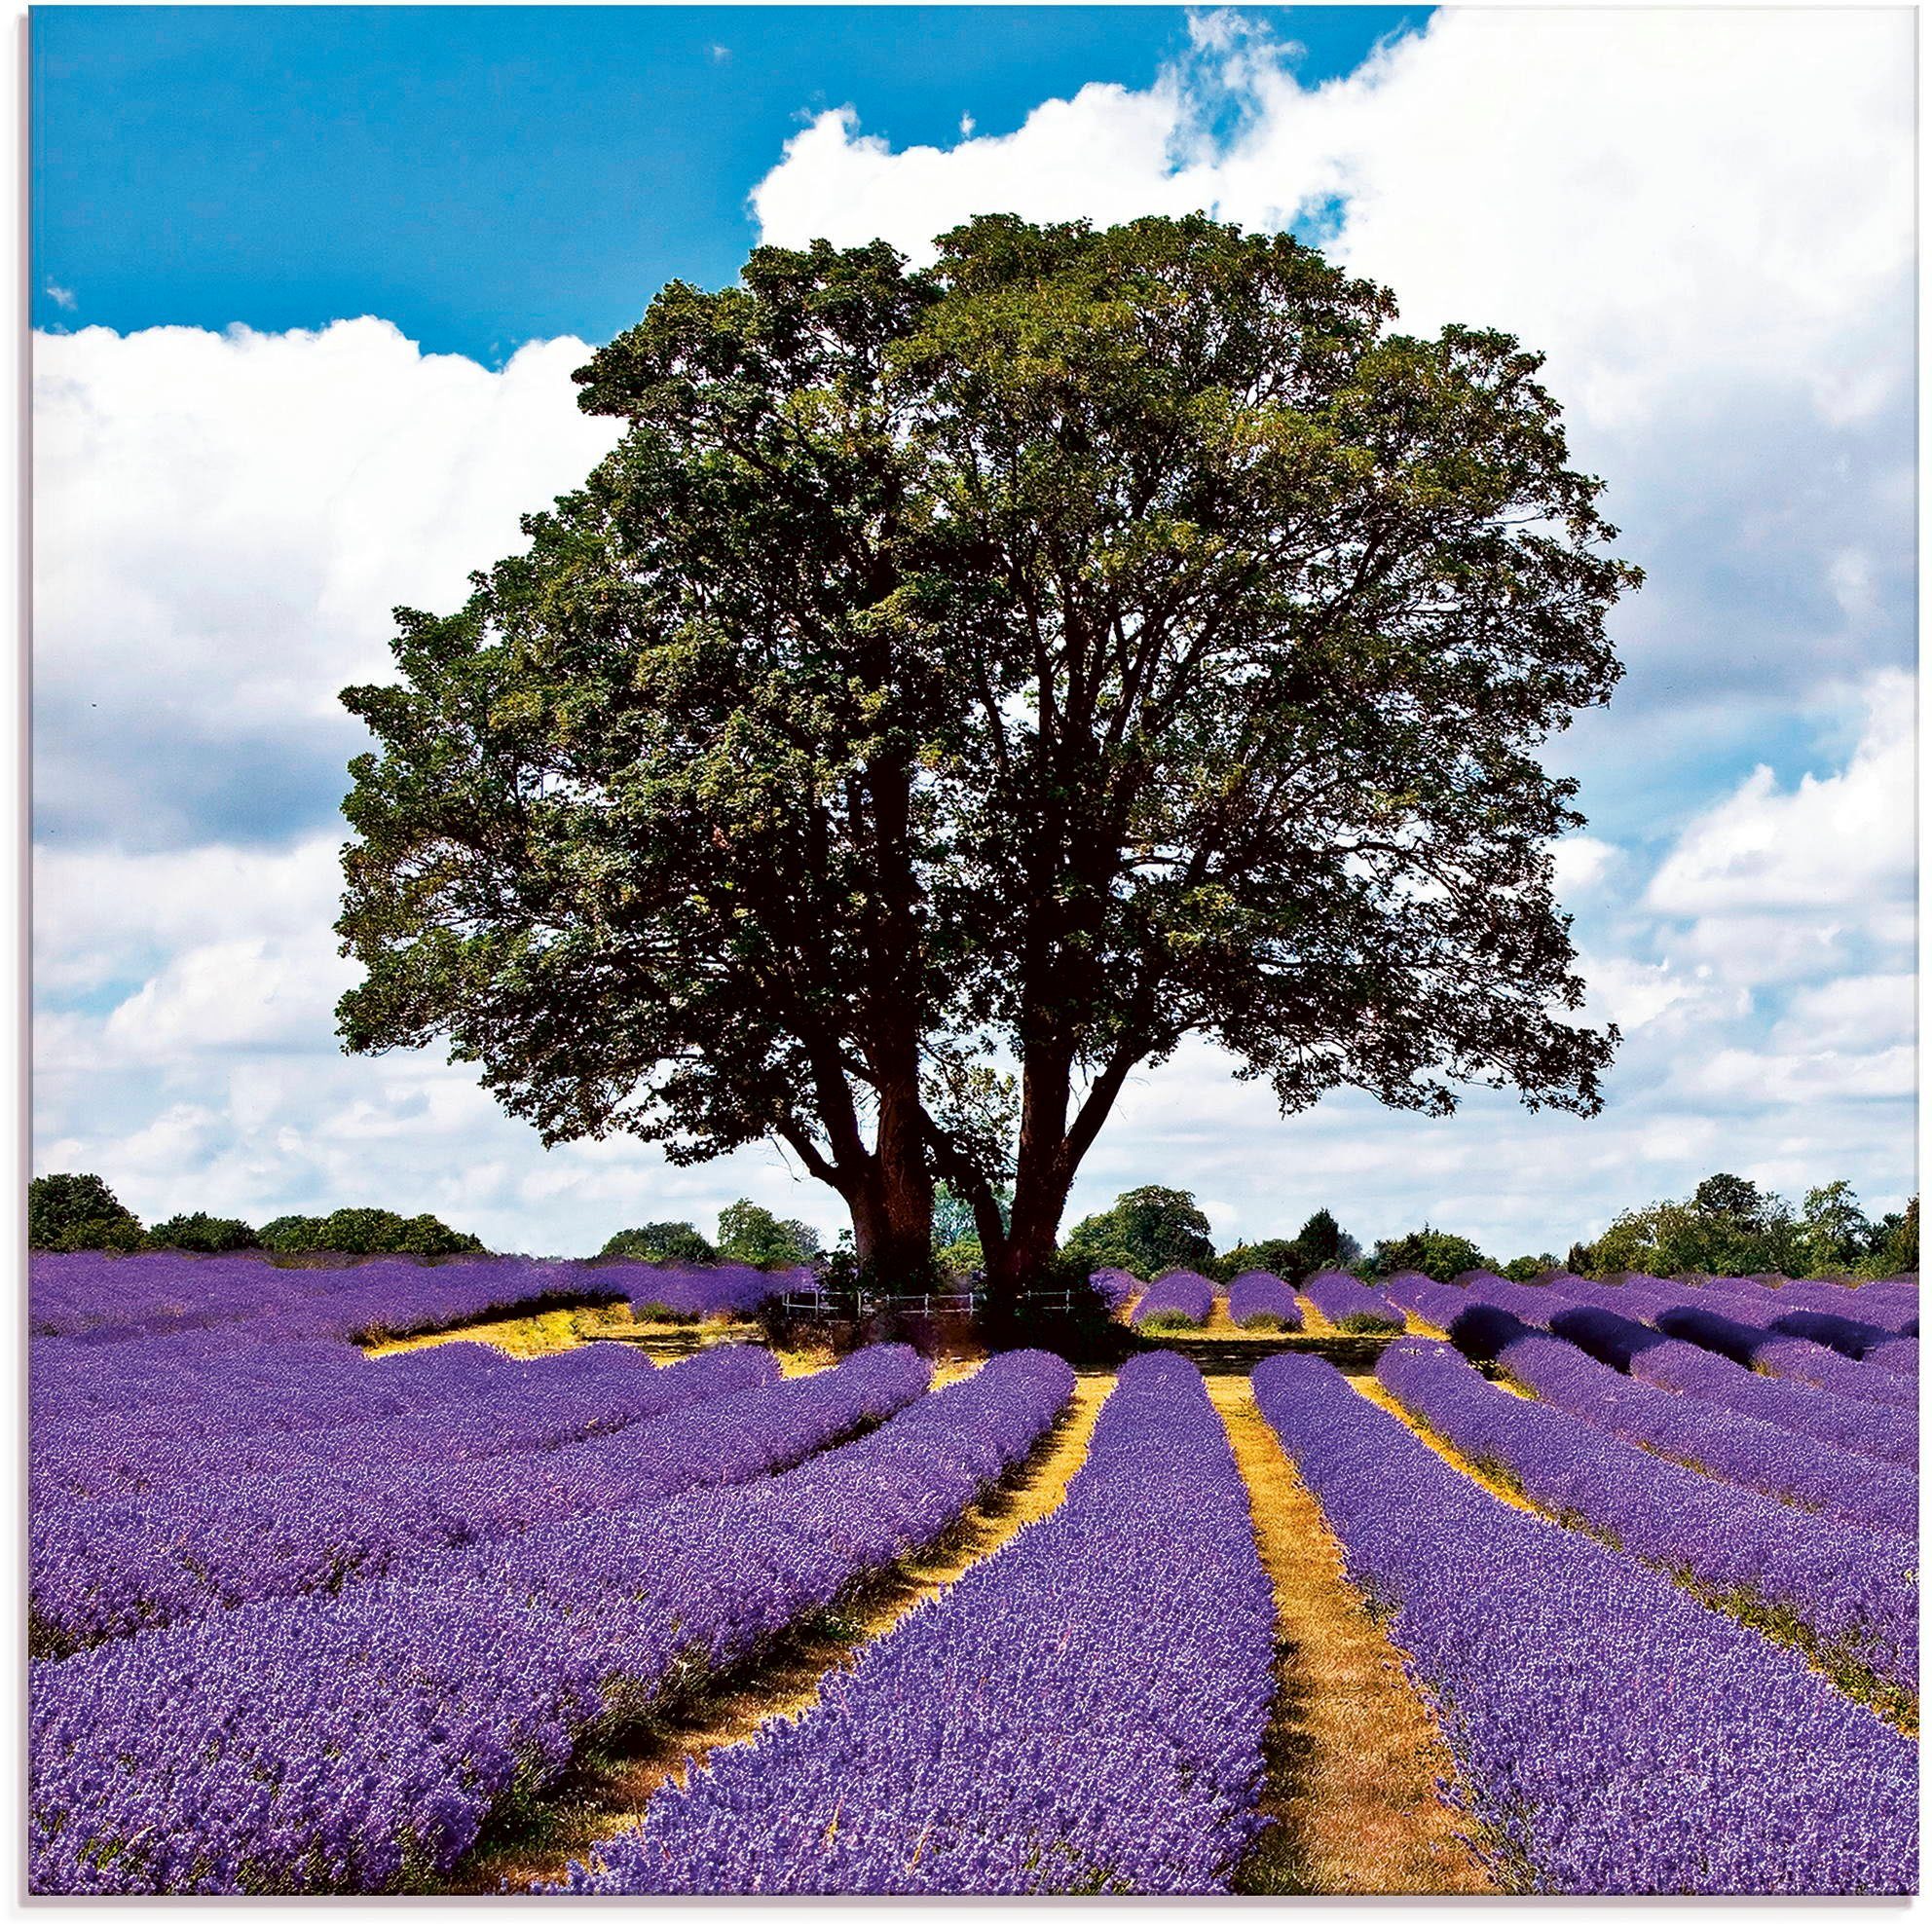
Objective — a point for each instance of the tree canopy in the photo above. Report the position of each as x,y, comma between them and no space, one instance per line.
1433,1251
961,684
1728,1226
750,1233
1146,1231
661,1242
74,1212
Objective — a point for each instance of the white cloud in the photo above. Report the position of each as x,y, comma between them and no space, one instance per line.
1582,864
222,523
61,297
101,914
1830,847
1702,216
1854,1013
1638,190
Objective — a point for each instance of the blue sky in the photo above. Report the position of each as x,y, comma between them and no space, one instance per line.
308,287
486,175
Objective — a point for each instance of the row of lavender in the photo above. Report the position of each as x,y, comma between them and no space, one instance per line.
380,1498
1849,1593
1260,1300
1693,1335
1083,1711
360,1741
116,1297
1610,1734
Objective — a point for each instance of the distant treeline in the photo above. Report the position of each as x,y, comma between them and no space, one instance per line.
75,1212
1727,1226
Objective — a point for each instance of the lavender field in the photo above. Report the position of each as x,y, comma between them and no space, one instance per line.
414,1579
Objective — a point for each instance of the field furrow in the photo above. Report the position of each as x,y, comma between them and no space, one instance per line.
1353,1755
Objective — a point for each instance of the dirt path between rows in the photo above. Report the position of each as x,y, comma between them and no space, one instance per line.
608,1793
1353,1755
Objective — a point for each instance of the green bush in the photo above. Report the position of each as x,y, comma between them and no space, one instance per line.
211,1236
749,1233
73,1212
961,1258
1163,1321
661,1242
1433,1251
367,1233
1368,1323
662,1313
1146,1230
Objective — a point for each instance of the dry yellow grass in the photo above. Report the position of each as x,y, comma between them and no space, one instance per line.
1353,1755
1451,1455
608,1793
542,1335
1313,1321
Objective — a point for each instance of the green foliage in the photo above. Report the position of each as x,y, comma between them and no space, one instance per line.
1321,1244
954,1221
366,1233
73,1212
749,1233
1146,1231
1433,1251
661,1242
1526,1268
1894,1244
1370,1322
211,1234
961,1258
1727,1226
1092,640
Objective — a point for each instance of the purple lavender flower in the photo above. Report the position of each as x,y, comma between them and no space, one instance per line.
1082,1712
1258,1299
1180,1297
1854,1592
1350,1305
1589,1702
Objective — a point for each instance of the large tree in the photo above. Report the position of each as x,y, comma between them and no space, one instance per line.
961,684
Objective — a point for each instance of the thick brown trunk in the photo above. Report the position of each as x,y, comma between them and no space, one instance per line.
892,1206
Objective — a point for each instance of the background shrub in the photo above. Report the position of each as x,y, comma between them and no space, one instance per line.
661,1242
71,1212
211,1236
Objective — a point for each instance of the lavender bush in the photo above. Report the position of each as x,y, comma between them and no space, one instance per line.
1611,1735
359,1742
1082,1712
1350,1305
1258,1299
149,1294
1852,1593
1180,1297
1739,1449
716,1289
1888,1435
115,1568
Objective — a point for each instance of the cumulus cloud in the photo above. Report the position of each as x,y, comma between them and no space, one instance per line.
1704,218
1842,840
222,525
